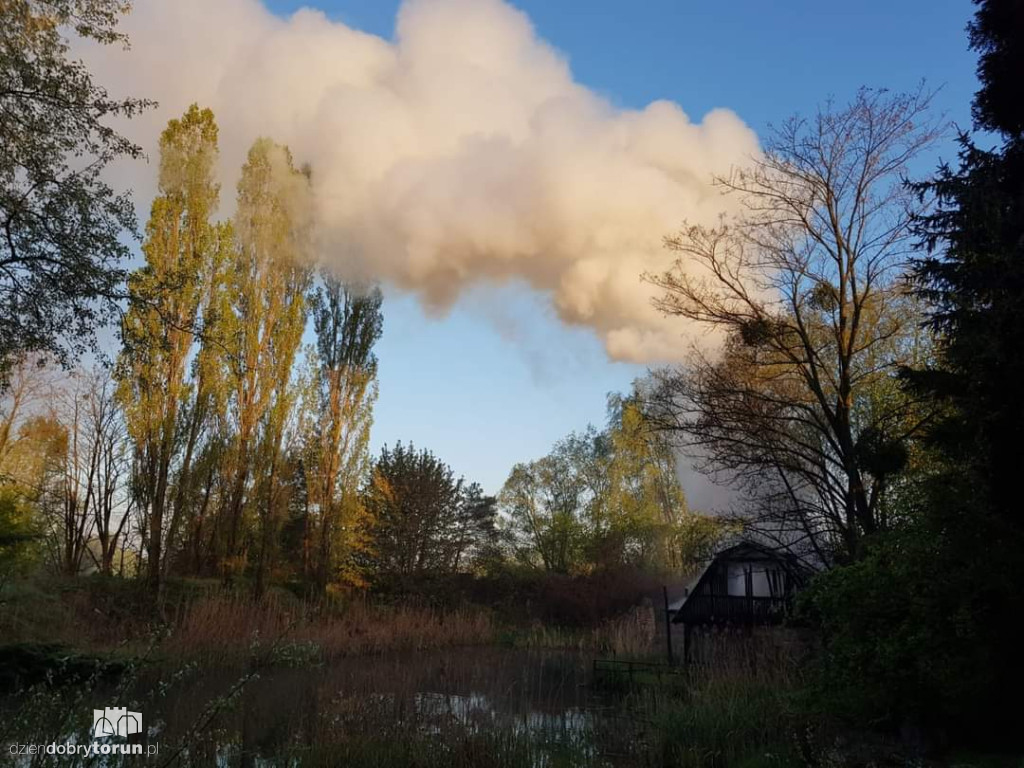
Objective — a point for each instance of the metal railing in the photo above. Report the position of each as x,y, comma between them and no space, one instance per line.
632,669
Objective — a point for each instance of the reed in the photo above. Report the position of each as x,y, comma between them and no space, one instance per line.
737,705
227,627
630,636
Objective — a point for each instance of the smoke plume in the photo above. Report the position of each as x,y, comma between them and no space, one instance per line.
461,152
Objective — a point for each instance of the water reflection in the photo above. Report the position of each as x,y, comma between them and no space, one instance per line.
287,715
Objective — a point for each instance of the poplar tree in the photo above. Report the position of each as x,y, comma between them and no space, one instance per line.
348,322
159,329
266,288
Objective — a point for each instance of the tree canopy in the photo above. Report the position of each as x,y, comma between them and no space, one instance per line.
801,411
63,243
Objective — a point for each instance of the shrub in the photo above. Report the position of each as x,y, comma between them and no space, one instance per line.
899,643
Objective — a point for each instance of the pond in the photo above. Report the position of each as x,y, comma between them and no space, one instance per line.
452,707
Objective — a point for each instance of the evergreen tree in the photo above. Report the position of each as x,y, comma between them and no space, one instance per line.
973,526
413,499
974,276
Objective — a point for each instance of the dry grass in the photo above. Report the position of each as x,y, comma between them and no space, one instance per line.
224,627
746,652
630,635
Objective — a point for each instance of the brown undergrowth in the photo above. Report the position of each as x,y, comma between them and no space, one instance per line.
225,627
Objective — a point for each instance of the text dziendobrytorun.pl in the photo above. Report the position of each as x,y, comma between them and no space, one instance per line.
84,750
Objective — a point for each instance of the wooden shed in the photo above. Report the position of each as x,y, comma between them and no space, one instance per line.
747,584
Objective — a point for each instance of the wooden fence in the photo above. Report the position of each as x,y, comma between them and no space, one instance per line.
724,609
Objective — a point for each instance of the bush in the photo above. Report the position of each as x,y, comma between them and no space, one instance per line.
523,595
19,536
900,646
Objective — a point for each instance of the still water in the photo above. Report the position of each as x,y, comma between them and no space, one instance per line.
540,708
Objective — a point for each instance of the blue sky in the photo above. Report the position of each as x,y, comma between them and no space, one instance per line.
499,379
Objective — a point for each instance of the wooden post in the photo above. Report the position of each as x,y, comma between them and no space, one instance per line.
687,629
668,625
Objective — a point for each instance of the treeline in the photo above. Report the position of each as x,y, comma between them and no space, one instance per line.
864,400
606,499
217,445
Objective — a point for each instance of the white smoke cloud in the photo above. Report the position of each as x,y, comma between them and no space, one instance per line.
462,152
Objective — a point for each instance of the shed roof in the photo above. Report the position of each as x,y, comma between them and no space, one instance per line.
744,549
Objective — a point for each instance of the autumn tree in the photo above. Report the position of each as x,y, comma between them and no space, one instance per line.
804,286
348,322
35,504
62,251
25,455
205,431
267,284
182,248
278,437
29,387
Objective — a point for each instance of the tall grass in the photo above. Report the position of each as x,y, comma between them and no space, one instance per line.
223,628
723,719
395,732
737,705
629,636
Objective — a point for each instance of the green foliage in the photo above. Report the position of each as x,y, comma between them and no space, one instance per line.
604,499
63,247
898,640
425,520
648,516
742,722
970,512
542,504
336,420
995,34
19,535
267,284
183,250
973,277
